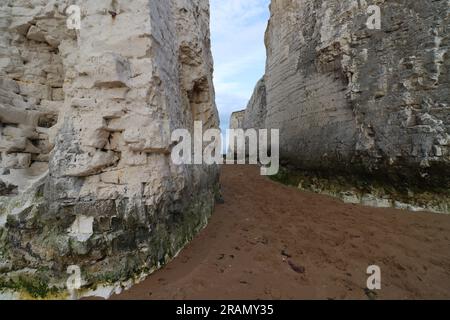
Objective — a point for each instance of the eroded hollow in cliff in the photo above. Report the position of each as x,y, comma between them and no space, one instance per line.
199,98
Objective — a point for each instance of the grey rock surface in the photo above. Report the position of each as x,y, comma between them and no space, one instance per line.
354,100
256,111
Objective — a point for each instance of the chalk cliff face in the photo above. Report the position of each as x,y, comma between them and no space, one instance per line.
237,119
255,113
354,100
86,115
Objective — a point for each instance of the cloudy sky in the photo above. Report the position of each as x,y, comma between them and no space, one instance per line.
237,32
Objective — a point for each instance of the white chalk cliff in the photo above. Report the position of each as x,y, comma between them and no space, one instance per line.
86,115
357,101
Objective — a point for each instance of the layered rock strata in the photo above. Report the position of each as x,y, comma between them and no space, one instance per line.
86,116
353,100
255,113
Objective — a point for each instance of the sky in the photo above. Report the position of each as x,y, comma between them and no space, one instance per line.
237,38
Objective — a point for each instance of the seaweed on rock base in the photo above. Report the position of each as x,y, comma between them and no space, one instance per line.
368,191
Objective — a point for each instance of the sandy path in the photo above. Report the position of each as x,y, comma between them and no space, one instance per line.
269,241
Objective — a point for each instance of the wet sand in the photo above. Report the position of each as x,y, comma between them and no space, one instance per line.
270,241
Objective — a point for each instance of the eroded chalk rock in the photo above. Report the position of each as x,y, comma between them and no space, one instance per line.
237,120
86,177
349,99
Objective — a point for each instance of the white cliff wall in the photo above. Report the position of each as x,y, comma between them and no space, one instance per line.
350,99
237,120
256,111
86,119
